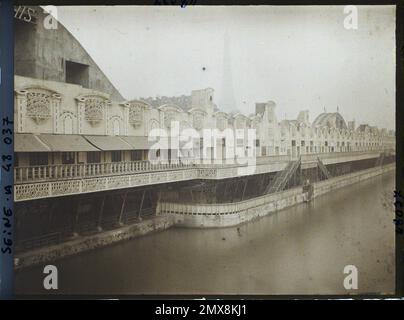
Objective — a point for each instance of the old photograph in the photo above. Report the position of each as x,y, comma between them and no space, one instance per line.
199,150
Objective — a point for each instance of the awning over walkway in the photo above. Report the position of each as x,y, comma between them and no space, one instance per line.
165,143
139,143
109,143
66,142
28,142
143,143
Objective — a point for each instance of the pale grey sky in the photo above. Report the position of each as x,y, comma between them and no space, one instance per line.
299,57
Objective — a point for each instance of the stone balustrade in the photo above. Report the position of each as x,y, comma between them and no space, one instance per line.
223,208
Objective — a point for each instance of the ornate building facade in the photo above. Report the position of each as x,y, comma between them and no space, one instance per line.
70,124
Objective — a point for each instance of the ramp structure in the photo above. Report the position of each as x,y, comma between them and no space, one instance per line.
283,177
323,169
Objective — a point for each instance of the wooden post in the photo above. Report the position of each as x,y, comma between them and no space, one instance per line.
76,220
245,187
300,174
50,216
122,208
158,201
101,213
225,190
141,205
261,184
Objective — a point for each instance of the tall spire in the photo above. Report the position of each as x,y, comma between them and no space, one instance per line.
227,101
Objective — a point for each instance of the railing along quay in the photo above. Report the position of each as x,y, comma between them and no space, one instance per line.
74,171
90,170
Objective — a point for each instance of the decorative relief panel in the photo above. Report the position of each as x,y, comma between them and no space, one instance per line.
221,123
140,179
36,103
65,187
175,176
158,177
118,182
184,125
169,116
94,107
207,173
31,191
198,120
255,124
240,122
95,184
136,114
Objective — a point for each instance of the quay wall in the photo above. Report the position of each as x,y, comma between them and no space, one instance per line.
85,243
232,214
325,186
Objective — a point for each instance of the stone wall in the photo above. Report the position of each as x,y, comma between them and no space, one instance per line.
325,186
86,243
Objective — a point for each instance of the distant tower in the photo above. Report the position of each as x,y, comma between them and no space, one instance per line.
203,99
227,101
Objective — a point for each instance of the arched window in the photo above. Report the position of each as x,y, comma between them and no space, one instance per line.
68,125
116,127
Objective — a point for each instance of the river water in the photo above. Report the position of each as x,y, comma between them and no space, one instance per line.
299,250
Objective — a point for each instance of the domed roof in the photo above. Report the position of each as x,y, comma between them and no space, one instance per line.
332,120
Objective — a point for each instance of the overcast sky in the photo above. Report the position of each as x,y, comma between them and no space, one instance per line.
299,57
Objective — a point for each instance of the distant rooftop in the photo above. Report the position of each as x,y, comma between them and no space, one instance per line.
183,101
